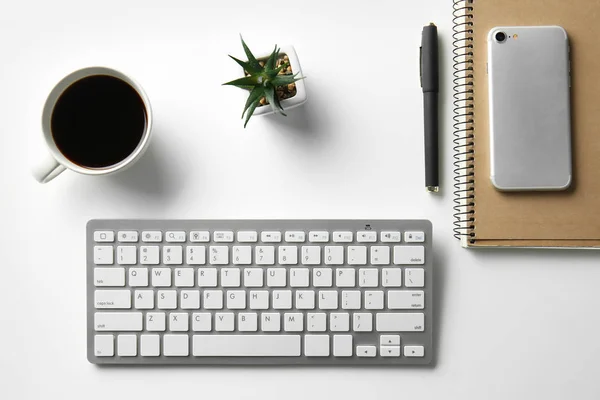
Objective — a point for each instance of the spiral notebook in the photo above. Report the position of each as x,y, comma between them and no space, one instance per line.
484,216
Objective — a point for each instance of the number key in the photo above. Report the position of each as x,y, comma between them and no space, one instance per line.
195,255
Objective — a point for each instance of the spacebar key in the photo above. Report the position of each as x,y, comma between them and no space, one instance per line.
246,345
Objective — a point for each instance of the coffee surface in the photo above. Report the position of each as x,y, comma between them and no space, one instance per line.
98,121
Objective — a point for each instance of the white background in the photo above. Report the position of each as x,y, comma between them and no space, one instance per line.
510,324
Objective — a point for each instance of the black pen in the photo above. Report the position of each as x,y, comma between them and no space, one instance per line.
430,86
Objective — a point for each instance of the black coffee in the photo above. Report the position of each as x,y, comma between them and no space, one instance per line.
98,121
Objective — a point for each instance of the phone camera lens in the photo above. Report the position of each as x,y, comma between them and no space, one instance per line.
500,37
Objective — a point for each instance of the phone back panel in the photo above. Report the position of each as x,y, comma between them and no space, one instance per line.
530,127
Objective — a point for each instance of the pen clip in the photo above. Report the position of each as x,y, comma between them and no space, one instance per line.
421,65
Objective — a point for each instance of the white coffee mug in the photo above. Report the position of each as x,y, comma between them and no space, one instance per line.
56,162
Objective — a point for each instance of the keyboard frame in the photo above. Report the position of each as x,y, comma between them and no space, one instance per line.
424,338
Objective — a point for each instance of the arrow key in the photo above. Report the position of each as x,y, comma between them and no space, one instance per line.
366,351
390,351
389,340
414,351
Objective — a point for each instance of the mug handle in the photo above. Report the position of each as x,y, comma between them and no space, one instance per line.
47,169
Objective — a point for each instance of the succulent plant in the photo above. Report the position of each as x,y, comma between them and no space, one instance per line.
262,81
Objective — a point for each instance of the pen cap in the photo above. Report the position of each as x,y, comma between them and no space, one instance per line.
429,59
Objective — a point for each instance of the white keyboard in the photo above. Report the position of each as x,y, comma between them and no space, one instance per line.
259,292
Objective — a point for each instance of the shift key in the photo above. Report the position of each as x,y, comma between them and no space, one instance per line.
400,322
118,321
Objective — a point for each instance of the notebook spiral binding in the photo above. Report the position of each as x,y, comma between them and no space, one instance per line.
464,176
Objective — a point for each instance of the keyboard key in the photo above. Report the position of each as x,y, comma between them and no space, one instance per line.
103,255
195,255
390,237
414,237
345,277
224,322
414,277
144,299
126,255
246,345
176,345
104,345
389,340
112,299
189,299
276,277
161,277
342,346
328,300
223,236
322,277
149,255
184,277
406,255
343,237
406,299
366,351
339,322
213,299
270,237
201,322
127,236
150,345
400,322
219,255
127,345
357,255
259,300
316,345
172,255
207,277
104,236
293,322
253,277
295,237
351,300
318,236
389,351
366,237
299,277
152,236
175,236
368,277
247,322
362,322
316,322
156,322
230,277
311,255
282,299
118,321
305,299
414,351
236,299
380,255
242,255
288,255
373,300
264,255
391,277
334,255
247,236
178,322
270,322
109,276
167,299
199,236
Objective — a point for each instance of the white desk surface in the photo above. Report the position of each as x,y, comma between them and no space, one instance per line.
510,324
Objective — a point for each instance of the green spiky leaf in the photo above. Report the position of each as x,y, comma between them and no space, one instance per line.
282,80
247,66
270,64
256,94
247,81
273,100
251,111
251,59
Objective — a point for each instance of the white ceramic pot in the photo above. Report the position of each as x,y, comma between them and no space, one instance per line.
300,97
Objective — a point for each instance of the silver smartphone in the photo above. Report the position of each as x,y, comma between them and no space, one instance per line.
529,99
